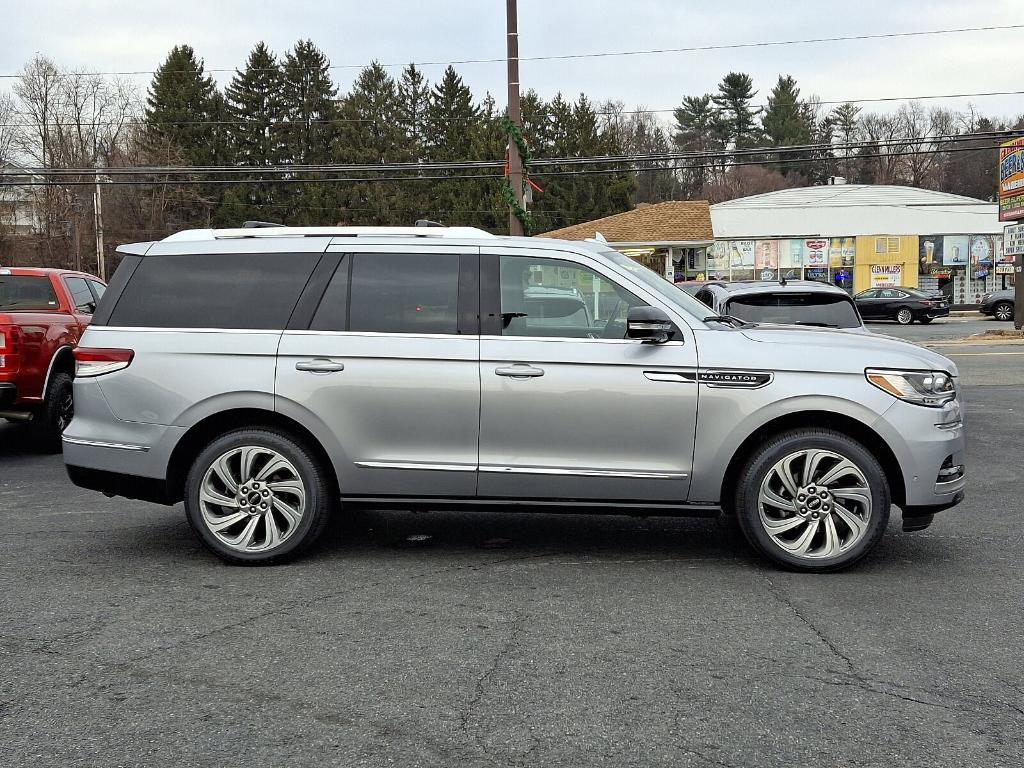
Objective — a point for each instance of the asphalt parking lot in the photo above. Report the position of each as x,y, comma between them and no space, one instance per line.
472,639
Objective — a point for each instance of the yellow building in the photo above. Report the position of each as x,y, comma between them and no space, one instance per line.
885,260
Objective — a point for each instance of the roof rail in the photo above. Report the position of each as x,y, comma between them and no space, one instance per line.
281,231
260,224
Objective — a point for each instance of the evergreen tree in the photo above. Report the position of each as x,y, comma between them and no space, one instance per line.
787,123
255,111
738,117
846,127
489,142
180,108
413,97
451,119
309,107
369,132
698,128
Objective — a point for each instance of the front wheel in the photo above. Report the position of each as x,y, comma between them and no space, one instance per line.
257,496
813,500
1003,311
904,317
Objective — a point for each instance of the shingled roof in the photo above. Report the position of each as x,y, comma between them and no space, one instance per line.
674,222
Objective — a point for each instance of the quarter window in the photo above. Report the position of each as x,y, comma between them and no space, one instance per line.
404,293
81,296
553,297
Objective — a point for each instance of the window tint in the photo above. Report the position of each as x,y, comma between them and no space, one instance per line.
551,297
404,293
796,309
25,292
237,290
98,289
81,296
871,294
332,314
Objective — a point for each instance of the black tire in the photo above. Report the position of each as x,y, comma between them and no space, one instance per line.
55,414
1003,311
782,446
926,320
320,500
904,316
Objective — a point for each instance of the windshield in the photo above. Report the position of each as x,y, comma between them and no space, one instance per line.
658,284
26,292
821,309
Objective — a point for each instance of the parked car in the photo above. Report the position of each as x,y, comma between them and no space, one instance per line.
998,304
793,302
693,287
42,315
904,305
264,375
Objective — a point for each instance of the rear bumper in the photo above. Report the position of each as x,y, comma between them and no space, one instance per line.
8,394
119,484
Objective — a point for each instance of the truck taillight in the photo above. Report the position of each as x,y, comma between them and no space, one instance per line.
90,361
10,347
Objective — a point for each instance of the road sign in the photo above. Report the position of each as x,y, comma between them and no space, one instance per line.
1013,240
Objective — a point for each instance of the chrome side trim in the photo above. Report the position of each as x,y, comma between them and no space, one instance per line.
416,465
677,377
102,444
564,339
583,472
735,379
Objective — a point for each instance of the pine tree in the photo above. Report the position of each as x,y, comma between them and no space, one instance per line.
255,111
180,107
787,123
451,119
369,132
309,107
413,96
846,127
698,128
738,117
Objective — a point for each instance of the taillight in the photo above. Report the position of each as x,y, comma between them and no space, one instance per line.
91,361
10,347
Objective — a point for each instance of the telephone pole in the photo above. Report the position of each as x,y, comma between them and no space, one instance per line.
515,162
97,207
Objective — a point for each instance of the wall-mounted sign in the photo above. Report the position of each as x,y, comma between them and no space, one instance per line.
1011,180
1013,242
886,275
741,253
816,252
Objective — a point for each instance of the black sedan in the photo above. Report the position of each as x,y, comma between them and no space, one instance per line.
904,305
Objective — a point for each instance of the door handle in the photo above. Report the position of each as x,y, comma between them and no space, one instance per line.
519,371
319,365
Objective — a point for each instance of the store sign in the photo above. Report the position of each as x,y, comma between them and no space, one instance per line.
1004,269
816,253
741,253
886,275
1013,242
1011,180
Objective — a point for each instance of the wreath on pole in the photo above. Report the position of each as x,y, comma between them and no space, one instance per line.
515,135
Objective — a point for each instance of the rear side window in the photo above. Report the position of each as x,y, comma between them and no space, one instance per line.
238,290
26,292
826,310
81,296
400,293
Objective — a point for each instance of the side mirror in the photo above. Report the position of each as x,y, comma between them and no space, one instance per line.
649,325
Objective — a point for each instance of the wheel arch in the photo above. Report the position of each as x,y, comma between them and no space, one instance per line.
199,435
838,422
63,361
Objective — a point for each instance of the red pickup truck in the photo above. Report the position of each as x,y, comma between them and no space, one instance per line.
43,313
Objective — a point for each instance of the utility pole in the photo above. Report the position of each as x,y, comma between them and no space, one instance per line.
515,162
97,207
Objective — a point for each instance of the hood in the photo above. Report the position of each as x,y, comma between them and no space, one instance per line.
828,349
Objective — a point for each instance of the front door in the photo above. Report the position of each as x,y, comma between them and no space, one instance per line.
389,365
571,409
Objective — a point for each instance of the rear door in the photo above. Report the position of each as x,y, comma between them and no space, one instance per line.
571,409
388,365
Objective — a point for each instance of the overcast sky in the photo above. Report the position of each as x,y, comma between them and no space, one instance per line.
112,35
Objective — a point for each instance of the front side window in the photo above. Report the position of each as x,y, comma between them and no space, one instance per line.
557,298
81,296
26,293
826,310
404,293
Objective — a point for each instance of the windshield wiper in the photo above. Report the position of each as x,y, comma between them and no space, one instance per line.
817,325
728,320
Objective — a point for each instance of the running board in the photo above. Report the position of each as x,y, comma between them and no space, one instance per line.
565,506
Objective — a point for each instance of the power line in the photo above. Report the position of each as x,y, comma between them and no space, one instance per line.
602,113
608,54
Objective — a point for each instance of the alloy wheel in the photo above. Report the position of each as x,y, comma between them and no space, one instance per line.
252,499
65,410
904,317
1003,312
815,504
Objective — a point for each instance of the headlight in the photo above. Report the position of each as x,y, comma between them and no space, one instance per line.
929,388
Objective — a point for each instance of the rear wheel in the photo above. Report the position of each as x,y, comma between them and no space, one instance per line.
813,500
1003,311
56,413
904,316
257,496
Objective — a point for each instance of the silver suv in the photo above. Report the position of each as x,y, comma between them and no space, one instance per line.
271,377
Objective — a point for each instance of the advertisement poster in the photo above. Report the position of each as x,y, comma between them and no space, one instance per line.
816,253
718,260
955,250
929,254
791,254
886,275
981,249
849,251
767,254
1013,242
1011,180
741,253
835,251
